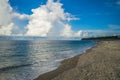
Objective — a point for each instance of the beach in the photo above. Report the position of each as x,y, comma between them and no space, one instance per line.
101,62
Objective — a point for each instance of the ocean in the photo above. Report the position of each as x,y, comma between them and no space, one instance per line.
26,60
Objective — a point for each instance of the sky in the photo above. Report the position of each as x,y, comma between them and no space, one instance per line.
59,18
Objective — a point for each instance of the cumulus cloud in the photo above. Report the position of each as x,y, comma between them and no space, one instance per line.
20,16
50,20
7,25
68,32
6,29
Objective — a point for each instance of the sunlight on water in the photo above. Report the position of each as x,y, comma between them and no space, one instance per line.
25,60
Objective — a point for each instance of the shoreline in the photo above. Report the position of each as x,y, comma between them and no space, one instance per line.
73,68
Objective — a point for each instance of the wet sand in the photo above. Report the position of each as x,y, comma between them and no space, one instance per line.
102,62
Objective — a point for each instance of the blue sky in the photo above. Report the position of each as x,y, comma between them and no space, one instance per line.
59,18
93,14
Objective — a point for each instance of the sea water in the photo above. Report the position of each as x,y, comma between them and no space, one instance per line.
26,60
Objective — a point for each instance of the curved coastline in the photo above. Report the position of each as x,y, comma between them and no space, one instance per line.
98,63
65,65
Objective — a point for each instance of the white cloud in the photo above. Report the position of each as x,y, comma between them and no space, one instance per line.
98,33
6,29
50,20
5,11
20,16
68,32
7,25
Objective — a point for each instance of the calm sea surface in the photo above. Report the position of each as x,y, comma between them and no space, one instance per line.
26,60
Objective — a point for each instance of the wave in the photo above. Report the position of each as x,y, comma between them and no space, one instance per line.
13,67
